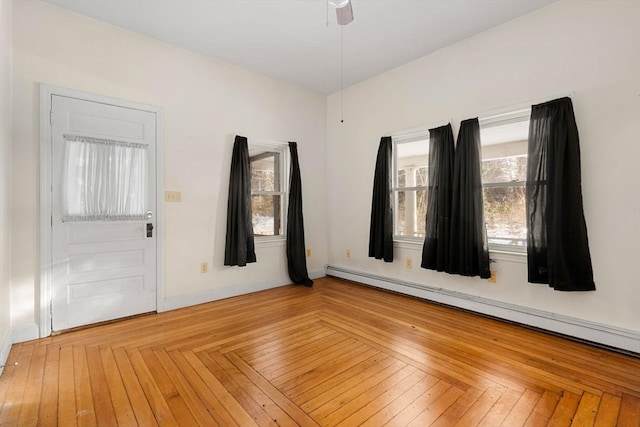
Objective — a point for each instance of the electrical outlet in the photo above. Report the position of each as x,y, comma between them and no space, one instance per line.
173,196
408,263
493,278
204,267
308,253
348,253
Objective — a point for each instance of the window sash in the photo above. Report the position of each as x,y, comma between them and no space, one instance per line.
421,135
104,180
280,152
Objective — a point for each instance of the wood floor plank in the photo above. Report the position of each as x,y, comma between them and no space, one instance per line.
31,399
522,409
629,411
10,412
213,402
277,365
137,397
162,373
253,400
544,409
196,395
209,388
328,374
454,413
343,395
105,414
324,391
357,409
585,415
287,373
66,389
292,410
441,392
481,407
326,366
535,354
156,400
375,405
563,414
277,342
334,354
404,399
48,410
86,414
428,407
608,410
122,408
501,409
7,373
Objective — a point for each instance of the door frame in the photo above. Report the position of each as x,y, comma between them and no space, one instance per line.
46,184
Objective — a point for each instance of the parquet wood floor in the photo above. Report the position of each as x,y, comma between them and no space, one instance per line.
335,354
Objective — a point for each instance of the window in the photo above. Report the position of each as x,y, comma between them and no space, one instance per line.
409,188
504,173
104,180
269,165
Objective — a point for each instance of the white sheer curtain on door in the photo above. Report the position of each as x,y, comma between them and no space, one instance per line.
103,180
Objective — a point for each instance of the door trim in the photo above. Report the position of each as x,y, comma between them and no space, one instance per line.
45,282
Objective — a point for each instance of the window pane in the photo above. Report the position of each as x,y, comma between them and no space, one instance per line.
266,215
411,213
505,215
422,179
265,171
411,157
103,180
402,178
507,169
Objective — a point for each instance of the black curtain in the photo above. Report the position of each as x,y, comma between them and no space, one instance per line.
557,246
239,247
296,249
435,251
468,251
381,229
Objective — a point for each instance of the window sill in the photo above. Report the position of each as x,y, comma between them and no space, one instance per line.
496,254
408,243
267,242
507,255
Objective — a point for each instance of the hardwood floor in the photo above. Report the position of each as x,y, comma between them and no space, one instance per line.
335,354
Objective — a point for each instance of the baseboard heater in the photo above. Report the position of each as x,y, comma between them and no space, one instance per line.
622,340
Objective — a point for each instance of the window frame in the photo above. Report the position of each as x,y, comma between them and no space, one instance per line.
282,148
510,117
421,135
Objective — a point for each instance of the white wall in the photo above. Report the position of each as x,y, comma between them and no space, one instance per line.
5,176
205,103
590,49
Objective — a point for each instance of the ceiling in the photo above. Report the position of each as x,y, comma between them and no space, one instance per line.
290,40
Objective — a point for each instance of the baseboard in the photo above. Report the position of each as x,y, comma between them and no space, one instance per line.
5,348
181,301
608,336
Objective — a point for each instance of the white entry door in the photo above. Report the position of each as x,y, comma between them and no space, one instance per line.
103,206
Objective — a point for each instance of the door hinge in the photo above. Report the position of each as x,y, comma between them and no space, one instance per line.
51,117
